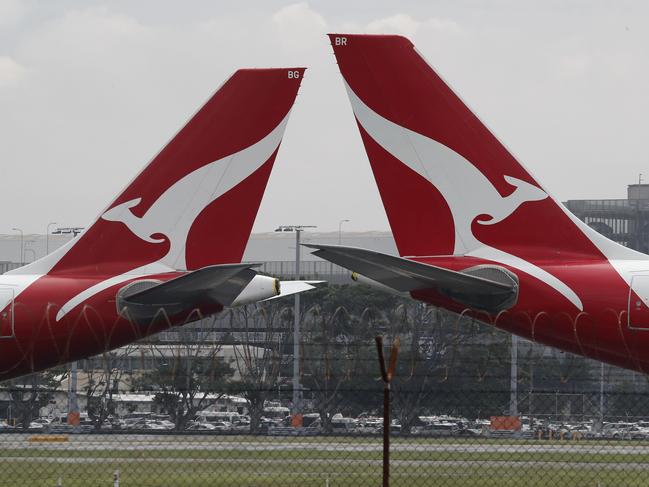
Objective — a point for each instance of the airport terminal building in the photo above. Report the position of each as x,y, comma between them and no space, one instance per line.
625,221
276,250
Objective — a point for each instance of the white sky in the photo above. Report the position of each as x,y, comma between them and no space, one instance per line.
90,91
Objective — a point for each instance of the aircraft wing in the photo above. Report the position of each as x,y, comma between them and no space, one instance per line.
406,275
217,283
210,288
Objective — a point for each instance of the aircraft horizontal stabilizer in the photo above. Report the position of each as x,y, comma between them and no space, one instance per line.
468,287
211,287
288,288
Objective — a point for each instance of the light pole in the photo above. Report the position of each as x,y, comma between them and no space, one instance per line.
47,237
22,251
513,380
601,393
73,405
340,227
531,396
297,388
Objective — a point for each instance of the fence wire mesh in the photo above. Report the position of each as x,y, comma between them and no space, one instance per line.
216,403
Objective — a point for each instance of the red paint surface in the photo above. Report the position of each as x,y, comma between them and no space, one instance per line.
244,110
392,79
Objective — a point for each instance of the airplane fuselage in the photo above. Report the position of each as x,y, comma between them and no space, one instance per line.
612,323
160,234
35,335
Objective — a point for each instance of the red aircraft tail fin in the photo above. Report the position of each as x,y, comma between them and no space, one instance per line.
448,185
195,203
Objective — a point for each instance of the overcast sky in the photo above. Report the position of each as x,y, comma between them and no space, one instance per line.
90,91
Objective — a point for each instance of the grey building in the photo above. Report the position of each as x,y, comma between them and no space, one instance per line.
275,250
625,221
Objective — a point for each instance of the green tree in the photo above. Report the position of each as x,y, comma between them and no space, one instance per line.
187,377
339,356
429,345
103,383
328,359
258,358
30,393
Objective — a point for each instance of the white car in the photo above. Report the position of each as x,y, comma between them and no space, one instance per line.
145,424
43,421
222,426
201,427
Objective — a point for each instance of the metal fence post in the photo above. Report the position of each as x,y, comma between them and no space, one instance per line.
386,375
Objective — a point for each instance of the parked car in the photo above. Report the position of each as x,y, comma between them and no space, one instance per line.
218,416
636,433
43,421
222,426
395,427
340,424
616,431
148,424
241,424
195,426
441,429
370,423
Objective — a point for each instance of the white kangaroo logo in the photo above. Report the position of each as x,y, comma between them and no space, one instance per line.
468,193
174,212
172,215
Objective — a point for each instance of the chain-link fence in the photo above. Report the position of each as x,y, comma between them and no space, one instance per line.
217,403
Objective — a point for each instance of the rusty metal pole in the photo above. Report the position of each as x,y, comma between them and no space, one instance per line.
386,412
386,434
386,375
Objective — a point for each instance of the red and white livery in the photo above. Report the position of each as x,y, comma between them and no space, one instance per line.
476,232
167,250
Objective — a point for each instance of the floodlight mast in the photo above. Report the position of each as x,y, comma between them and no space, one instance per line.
73,405
297,387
